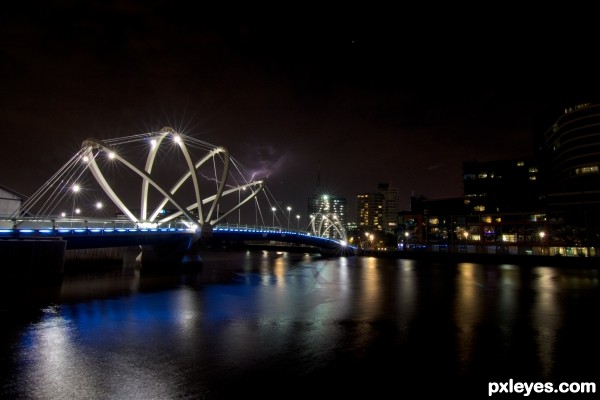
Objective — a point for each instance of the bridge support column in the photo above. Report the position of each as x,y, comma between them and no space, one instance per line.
132,258
169,257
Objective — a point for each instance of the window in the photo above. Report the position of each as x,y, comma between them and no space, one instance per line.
509,237
586,170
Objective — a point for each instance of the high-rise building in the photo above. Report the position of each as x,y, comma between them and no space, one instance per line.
390,210
379,211
370,211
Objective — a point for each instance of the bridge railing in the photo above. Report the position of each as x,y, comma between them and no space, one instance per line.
49,231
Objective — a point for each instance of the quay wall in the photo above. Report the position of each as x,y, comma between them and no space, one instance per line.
32,259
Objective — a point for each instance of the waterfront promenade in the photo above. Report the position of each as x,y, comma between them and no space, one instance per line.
485,258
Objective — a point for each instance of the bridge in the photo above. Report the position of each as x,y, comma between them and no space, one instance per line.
159,188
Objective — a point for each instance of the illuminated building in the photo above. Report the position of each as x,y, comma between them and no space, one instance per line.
379,211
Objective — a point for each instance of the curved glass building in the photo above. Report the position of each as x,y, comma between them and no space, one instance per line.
572,165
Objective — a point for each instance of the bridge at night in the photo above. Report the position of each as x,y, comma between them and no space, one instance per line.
160,188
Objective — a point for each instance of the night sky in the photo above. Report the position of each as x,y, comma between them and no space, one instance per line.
348,97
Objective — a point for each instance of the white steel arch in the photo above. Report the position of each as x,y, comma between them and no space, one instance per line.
325,224
206,218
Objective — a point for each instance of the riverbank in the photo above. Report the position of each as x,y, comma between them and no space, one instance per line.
481,258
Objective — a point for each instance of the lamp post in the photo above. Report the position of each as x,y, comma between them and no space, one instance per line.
289,209
298,220
75,188
273,209
542,234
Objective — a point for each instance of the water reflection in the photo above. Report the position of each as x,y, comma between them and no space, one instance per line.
359,323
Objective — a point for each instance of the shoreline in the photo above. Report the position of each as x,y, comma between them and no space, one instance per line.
480,258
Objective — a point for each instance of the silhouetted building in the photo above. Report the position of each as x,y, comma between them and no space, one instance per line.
10,201
572,153
508,185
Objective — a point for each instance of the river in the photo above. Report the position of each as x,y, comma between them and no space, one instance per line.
284,325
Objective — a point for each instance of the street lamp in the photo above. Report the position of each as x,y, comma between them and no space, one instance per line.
298,220
75,188
542,234
289,209
273,209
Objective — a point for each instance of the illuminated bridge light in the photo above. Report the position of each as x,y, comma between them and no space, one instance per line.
108,230
6,230
64,230
26,230
46,231
79,230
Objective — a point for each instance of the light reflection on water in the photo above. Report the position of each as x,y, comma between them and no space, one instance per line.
250,321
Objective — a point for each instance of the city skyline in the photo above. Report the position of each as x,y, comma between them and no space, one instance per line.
348,102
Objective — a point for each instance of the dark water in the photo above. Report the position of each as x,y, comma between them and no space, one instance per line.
297,326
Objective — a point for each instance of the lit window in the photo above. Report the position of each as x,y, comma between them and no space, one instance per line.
587,170
520,163
510,238
532,178
487,219
483,175
533,169
479,208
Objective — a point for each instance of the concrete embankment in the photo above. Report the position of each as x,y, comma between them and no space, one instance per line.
41,260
